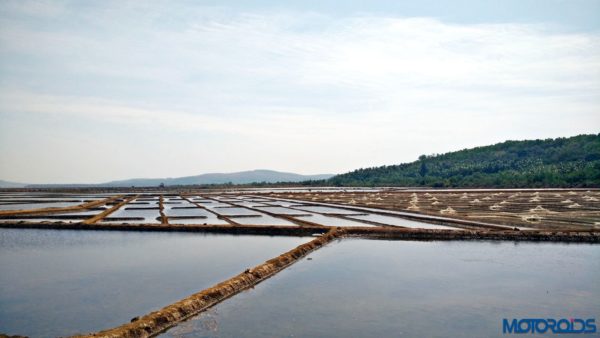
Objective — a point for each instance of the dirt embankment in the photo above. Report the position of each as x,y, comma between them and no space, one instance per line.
107,212
161,204
267,230
447,235
156,322
59,210
565,235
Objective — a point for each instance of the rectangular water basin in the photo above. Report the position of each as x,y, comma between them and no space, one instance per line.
397,221
148,215
235,211
365,288
332,221
186,212
27,206
327,210
65,282
284,211
262,220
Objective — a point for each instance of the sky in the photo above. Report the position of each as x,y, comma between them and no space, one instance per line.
93,91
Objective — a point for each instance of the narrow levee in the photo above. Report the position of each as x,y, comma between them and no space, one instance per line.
358,288
158,321
107,212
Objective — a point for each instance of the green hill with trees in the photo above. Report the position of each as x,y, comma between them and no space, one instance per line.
560,162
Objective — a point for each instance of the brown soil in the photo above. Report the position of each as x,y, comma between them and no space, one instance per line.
107,212
543,209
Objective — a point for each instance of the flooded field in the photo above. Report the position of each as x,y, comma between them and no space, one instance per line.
62,282
209,209
461,261
358,288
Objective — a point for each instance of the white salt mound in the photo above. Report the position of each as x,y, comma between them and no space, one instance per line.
539,208
448,211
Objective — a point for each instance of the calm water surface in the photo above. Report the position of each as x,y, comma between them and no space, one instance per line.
363,288
63,282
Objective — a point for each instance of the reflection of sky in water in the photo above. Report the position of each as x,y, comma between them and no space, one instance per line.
217,205
62,282
42,219
367,288
249,204
283,211
87,212
397,221
327,210
187,212
212,219
147,212
27,206
235,211
331,221
262,220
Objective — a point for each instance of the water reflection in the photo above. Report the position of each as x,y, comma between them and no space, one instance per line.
62,282
362,288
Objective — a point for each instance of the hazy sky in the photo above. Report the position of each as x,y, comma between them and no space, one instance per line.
92,91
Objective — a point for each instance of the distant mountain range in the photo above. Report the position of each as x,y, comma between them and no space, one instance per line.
560,162
7,184
242,177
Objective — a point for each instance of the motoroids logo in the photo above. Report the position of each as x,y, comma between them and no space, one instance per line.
549,325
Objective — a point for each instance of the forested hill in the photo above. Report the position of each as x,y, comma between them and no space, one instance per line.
561,162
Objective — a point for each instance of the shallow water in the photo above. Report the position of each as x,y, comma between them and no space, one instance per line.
332,221
250,204
85,212
62,282
363,288
327,210
187,212
149,215
441,219
402,222
280,203
262,220
27,206
212,220
201,200
42,219
283,211
182,204
227,211
217,205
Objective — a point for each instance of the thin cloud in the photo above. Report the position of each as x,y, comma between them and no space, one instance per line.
405,85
